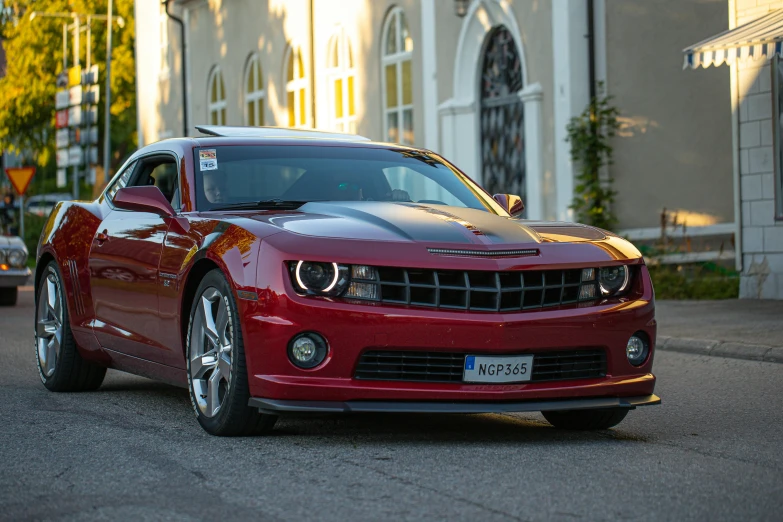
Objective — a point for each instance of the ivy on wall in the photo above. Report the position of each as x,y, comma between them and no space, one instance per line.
589,134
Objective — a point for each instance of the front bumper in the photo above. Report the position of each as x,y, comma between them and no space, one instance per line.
281,406
14,277
350,329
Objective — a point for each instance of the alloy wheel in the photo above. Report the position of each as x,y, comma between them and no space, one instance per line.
49,324
211,347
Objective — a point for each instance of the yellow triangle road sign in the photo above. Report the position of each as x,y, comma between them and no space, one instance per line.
20,178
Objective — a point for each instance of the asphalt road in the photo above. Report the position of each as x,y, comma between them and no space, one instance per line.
133,450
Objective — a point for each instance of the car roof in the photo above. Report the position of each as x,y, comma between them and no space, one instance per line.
217,135
229,131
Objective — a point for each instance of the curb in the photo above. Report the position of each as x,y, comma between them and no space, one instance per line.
729,349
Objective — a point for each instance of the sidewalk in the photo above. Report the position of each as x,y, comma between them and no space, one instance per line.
740,329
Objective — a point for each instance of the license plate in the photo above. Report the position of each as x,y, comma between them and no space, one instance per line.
502,368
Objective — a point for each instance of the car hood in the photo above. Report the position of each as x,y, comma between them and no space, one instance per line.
412,222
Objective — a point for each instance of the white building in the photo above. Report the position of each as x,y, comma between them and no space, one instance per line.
492,88
752,50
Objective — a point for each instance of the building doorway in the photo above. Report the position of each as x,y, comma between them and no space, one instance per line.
502,116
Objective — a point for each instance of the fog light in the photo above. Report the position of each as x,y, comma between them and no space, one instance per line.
307,350
637,349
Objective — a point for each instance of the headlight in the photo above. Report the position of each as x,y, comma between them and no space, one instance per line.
2,257
613,279
16,258
321,278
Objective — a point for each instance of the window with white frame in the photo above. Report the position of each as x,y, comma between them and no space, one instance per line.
163,23
217,98
777,121
342,80
397,82
296,88
254,92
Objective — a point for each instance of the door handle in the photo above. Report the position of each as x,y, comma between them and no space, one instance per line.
101,237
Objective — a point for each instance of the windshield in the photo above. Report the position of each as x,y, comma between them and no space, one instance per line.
237,175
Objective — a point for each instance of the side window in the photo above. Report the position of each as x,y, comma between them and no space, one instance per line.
121,181
161,172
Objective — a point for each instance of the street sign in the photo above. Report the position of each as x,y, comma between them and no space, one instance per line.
62,80
62,158
90,76
20,178
75,156
90,115
75,95
89,136
61,100
75,116
61,138
92,154
91,95
61,178
61,119
75,75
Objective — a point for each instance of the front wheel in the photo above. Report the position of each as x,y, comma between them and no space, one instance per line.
60,366
217,372
586,419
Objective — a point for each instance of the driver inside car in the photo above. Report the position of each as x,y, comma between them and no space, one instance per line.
214,186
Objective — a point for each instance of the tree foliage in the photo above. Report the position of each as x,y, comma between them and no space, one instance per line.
589,134
34,59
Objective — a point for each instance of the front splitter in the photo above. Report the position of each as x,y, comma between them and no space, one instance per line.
274,406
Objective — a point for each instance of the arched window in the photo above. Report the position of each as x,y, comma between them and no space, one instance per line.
254,92
502,116
342,78
217,98
296,88
397,81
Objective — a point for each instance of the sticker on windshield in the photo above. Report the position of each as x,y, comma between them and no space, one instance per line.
208,159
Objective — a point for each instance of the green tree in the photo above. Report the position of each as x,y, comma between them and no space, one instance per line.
34,59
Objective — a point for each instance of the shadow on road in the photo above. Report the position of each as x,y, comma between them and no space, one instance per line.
365,428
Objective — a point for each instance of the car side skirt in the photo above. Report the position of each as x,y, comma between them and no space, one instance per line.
274,406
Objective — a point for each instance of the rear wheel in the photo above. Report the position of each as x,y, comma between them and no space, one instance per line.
60,366
217,373
8,296
585,419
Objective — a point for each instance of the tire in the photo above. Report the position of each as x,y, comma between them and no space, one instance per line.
8,296
216,366
585,419
61,369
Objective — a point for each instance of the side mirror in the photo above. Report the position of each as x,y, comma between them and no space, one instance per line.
143,199
512,203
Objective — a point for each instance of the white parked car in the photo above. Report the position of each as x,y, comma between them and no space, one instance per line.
43,204
13,268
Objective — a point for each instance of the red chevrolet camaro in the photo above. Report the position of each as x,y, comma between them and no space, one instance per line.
273,271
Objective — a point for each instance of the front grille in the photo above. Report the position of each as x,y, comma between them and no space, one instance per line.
479,290
394,365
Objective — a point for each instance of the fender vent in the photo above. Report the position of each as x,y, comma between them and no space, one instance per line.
77,287
483,253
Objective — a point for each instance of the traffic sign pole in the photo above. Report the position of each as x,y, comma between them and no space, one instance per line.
20,178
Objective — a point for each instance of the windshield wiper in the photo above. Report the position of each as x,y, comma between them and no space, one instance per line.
264,204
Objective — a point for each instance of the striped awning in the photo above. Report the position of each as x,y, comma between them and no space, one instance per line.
761,38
